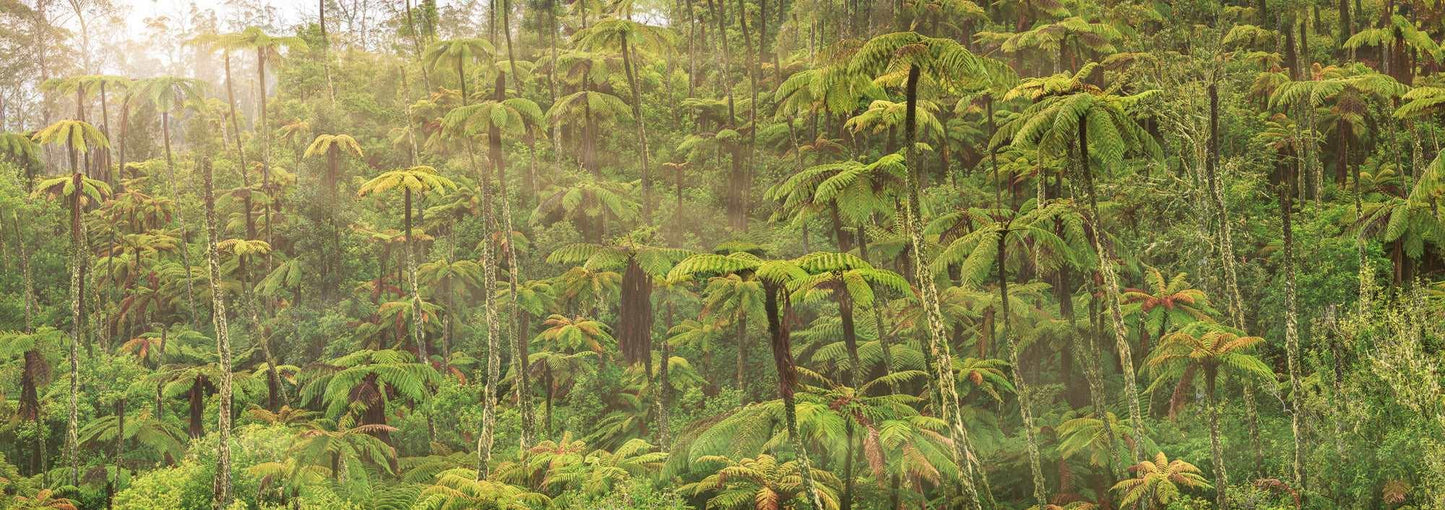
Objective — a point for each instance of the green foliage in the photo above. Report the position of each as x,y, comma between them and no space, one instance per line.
801,266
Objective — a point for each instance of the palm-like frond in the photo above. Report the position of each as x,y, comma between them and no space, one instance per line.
418,179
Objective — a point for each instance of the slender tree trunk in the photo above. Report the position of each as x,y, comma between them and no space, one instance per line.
742,327
77,332
489,285
554,132
1089,348
1291,339
691,50
235,122
641,132
160,360
447,330
265,131
27,277
753,71
549,382
664,426
507,34
993,156
112,484
120,141
416,46
885,351
1111,294
520,354
1041,495
1221,479
105,157
417,334
331,262
855,367
778,311
222,489
40,28
725,79
275,391
462,79
941,362
325,50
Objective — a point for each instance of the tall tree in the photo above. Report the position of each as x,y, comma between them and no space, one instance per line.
1072,123
496,117
77,192
950,64
1000,231
222,489
640,263
169,94
268,52
632,39
776,276
333,146
850,280
455,55
417,180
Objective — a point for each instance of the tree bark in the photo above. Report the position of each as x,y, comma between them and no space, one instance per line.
417,334
778,310
520,354
77,334
1111,294
1291,340
1041,495
416,46
180,215
265,132
742,331
489,285
1221,479
855,367
641,132
941,363
222,489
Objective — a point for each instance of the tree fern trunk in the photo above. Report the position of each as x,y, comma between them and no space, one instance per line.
276,392
941,363
494,360
886,355
77,335
1226,243
417,335
160,386
265,132
664,432
777,311
742,327
855,367
1291,339
416,44
222,487
1041,495
519,358
26,275
325,50
1089,348
628,69
1111,294
1221,479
